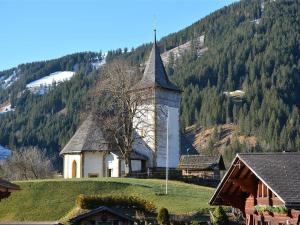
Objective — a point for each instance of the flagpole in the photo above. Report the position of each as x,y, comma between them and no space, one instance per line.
167,156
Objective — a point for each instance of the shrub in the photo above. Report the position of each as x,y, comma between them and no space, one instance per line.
163,217
280,209
94,201
271,209
219,217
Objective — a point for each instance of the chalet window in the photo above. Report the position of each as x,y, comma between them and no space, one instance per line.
265,191
259,189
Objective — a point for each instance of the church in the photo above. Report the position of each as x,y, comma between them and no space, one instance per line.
89,154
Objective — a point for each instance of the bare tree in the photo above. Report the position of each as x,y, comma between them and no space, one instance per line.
28,163
122,112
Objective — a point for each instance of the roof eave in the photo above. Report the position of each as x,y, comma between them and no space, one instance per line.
224,179
153,86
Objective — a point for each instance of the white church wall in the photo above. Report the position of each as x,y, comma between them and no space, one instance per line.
144,122
154,123
168,128
93,164
68,164
174,137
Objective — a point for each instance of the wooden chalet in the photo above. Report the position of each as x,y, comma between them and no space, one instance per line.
264,186
204,166
6,188
102,216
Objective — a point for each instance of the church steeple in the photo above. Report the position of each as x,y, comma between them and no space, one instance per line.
155,74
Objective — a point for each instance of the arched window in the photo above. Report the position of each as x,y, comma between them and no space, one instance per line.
74,169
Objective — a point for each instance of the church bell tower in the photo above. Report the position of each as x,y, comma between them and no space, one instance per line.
163,145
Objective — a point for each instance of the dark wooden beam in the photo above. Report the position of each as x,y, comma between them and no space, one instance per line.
248,185
233,200
244,172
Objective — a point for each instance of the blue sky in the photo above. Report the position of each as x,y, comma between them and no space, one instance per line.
33,30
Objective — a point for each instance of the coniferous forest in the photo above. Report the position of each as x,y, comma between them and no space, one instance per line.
253,46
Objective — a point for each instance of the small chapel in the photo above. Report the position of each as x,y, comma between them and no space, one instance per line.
89,153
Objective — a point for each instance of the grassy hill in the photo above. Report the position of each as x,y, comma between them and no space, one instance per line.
49,200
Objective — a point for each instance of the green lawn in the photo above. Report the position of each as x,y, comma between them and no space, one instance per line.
49,200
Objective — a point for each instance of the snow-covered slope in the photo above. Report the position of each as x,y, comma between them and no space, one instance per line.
43,85
5,83
56,77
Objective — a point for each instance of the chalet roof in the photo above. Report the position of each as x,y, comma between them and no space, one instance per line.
155,74
88,137
4,184
201,162
98,210
278,171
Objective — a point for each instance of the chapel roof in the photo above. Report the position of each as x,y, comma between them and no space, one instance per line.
155,74
278,171
88,137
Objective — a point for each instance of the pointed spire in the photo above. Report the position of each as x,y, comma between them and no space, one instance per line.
155,74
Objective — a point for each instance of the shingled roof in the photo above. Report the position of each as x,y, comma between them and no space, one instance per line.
88,137
201,162
4,184
280,172
122,216
155,74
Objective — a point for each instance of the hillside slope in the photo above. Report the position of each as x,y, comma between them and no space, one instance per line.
57,197
225,139
251,46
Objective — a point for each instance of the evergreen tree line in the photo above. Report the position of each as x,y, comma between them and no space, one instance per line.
260,58
263,60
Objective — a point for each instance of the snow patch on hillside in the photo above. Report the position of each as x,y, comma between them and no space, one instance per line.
5,83
97,63
56,77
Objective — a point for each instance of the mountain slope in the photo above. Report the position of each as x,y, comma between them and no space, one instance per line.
252,46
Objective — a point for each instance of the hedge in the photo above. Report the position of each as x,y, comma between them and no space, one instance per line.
94,201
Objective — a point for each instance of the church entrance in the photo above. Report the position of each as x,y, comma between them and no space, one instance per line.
74,169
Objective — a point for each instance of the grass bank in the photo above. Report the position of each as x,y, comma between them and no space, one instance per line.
49,200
